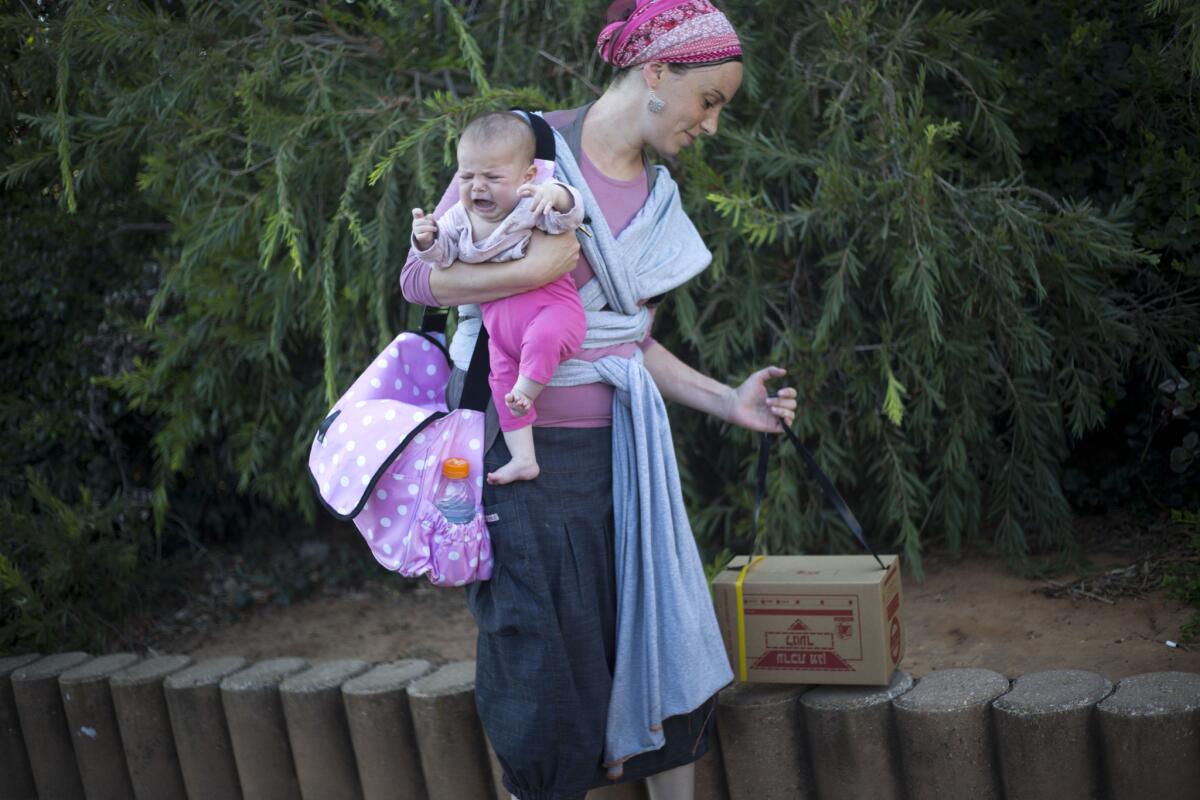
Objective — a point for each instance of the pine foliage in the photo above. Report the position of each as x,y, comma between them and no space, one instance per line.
952,328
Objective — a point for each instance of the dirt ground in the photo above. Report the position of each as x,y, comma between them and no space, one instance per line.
968,613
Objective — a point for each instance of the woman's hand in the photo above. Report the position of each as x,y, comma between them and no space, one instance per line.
551,256
747,405
750,407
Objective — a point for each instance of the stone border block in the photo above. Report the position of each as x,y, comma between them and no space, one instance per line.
449,735
201,732
44,725
319,732
258,729
381,729
852,741
16,776
762,741
141,708
1047,735
1150,734
946,741
95,734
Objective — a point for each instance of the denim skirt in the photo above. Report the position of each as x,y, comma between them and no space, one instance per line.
547,625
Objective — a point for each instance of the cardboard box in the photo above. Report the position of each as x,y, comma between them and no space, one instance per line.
812,619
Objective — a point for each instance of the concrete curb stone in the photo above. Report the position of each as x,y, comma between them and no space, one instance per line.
95,733
141,708
853,745
16,776
762,741
947,745
44,725
1047,735
449,735
200,730
258,728
319,732
1150,735
381,729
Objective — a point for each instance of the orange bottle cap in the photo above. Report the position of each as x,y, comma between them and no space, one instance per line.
456,467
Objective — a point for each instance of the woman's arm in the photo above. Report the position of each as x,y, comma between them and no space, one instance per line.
748,405
547,259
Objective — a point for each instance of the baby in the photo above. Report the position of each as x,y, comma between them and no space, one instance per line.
529,333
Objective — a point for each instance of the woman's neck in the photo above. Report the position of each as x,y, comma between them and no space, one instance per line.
610,142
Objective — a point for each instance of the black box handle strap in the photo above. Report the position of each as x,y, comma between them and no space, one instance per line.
760,491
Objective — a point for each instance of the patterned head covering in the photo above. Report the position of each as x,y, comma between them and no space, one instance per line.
672,31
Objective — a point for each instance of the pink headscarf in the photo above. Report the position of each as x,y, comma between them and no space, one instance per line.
673,31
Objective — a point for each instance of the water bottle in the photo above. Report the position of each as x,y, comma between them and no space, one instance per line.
454,497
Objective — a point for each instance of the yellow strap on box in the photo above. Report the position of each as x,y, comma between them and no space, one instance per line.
741,611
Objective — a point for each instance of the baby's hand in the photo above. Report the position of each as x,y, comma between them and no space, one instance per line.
547,196
424,229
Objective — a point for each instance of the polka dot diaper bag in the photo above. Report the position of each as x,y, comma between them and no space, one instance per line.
377,459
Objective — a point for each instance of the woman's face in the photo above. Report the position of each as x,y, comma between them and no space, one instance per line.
694,99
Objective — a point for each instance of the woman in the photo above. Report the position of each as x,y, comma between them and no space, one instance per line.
548,618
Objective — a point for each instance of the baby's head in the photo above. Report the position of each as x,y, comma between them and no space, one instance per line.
495,158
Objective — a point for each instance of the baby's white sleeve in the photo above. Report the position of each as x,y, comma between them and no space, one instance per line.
444,250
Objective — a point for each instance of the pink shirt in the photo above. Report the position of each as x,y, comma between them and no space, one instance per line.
590,405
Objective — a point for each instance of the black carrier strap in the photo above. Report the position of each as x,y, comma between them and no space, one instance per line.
543,136
476,392
434,319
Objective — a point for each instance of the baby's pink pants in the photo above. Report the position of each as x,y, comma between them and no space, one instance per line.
529,334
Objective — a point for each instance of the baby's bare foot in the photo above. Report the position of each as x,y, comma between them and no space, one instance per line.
518,402
515,470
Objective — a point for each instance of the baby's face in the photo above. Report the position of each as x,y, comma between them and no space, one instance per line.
489,176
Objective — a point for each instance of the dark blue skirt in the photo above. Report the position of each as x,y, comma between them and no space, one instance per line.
547,625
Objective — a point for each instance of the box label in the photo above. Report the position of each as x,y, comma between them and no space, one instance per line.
799,659
799,640
805,632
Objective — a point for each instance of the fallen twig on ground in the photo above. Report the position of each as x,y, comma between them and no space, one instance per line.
1133,580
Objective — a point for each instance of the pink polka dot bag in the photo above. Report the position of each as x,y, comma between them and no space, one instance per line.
377,459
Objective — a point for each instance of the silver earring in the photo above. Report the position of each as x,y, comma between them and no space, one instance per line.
656,104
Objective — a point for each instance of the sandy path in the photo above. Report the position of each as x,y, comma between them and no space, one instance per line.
973,613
